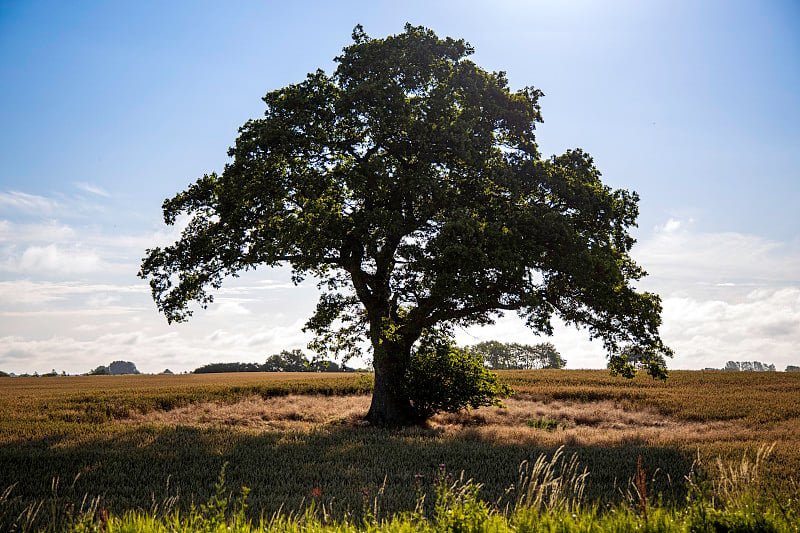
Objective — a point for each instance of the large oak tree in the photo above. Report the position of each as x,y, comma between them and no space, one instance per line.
410,184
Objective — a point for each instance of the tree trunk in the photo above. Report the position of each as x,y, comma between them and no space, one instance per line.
390,404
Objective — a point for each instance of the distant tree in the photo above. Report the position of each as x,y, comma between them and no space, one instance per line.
793,368
287,361
122,367
100,371
3,374
502,356
749,366
495,354
221,368
546,356
167,371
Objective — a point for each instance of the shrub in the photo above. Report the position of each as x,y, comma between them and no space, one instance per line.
443,377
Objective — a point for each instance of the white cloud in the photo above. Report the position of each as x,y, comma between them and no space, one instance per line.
47,231
27,292
93,189
53,259
763,326
28,203
228,307
726,296
671,226
678,257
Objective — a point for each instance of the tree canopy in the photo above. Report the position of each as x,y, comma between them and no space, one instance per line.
409,184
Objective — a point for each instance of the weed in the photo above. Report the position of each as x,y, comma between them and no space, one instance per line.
547,424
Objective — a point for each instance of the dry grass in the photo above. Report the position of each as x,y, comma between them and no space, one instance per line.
595,423
284,413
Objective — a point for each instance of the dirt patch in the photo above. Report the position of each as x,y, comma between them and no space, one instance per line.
551,423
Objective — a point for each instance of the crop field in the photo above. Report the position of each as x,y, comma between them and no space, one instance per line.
140,442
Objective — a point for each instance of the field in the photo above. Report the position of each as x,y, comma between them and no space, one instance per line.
139,442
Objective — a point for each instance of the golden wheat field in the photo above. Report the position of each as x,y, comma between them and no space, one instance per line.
139,440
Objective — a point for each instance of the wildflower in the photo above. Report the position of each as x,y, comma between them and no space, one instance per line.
316,492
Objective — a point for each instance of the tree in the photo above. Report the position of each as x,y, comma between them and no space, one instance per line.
495,354
122,367
100,371
499,356
749,366
410,185
549,357
793,368
287,361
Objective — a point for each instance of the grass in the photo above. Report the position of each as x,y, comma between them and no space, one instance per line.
547,424
127,442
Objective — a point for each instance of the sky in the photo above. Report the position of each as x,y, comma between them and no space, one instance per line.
108,108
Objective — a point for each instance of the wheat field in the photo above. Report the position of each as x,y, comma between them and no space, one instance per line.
138,440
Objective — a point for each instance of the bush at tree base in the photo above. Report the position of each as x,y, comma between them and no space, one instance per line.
444,377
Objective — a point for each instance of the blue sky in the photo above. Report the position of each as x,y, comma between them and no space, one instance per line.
108,108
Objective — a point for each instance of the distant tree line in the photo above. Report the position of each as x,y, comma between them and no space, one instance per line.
285,361
750,366
506,356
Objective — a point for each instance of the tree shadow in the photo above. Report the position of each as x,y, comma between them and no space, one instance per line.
348,468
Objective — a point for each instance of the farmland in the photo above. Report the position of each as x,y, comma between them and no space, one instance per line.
139,441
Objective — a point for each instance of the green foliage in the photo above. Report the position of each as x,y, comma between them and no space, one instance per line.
443,377
631,359
548,424
100,371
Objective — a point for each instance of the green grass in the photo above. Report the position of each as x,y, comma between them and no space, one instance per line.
547,424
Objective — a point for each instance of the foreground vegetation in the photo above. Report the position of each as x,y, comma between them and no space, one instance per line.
149,448
549,496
